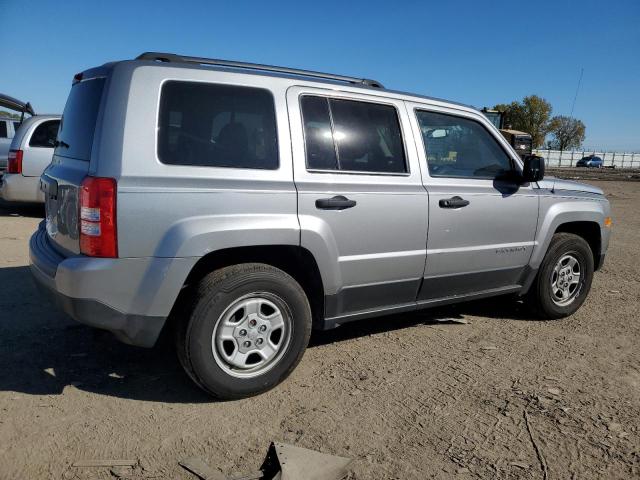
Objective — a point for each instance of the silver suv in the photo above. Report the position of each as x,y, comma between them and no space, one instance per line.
250,204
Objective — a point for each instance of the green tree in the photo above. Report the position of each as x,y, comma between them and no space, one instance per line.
531,115
566,132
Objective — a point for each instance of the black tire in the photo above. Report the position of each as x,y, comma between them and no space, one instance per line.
541,296
211,298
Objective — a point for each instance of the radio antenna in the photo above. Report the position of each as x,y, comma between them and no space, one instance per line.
573,105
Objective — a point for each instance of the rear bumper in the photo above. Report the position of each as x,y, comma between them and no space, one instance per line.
131,297
17,188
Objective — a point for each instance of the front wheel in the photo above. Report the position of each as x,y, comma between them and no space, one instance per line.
564,279
246,329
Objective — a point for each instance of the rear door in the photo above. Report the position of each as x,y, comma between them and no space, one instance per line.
482,222
361,203
38,148
62,179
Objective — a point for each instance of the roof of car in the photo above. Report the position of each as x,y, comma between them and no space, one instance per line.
368,85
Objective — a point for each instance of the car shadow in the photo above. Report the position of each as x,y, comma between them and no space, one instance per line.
44,352
32,210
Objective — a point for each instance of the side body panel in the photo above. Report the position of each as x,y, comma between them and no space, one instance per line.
181,210
560,207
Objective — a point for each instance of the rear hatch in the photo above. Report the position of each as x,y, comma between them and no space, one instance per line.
61,181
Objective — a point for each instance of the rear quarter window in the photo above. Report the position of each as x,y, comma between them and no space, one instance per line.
213,125
3,129
78,123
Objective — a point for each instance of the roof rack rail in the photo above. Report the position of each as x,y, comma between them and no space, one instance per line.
172,57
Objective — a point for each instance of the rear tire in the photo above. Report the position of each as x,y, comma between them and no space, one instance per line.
564,279
245,329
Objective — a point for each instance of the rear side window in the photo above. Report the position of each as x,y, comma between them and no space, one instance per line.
78,123
45,134
214,125
3,129
352,136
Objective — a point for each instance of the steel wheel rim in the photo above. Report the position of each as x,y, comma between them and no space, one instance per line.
252,335
566,280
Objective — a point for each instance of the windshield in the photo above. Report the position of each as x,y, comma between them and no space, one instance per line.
75,138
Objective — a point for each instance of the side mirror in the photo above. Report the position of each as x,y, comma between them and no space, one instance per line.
533,170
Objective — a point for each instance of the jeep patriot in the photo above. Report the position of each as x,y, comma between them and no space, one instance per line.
251,203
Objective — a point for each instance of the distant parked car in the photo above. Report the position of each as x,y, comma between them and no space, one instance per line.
9,126
590,161
30,153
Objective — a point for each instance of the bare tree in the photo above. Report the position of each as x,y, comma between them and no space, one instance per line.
567,133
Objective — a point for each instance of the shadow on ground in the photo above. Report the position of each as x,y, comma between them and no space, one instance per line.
32,210
42,351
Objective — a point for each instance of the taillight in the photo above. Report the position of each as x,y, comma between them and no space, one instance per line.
98,235
14,164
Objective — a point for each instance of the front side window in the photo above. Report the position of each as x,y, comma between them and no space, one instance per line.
458,147
215,125
45,134
352,136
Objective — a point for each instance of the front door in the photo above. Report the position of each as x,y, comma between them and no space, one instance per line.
361,202
482,222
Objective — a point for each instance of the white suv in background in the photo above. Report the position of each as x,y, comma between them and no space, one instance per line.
30,153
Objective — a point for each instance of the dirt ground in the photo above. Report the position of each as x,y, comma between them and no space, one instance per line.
408,397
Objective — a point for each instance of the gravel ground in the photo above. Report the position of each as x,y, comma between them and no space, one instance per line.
594,174
408,397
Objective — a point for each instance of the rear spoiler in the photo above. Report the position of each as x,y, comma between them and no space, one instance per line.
13,104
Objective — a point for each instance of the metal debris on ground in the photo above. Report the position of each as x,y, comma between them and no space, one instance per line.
283,462
460,320
297,463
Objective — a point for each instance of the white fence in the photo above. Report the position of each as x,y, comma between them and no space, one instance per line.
559,158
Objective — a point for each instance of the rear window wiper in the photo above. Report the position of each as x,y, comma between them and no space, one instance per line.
60,143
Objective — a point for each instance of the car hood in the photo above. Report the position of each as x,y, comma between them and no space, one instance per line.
554,184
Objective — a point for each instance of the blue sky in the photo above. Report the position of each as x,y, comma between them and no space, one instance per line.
476,52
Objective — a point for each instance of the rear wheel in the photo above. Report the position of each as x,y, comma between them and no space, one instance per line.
564,279
247,328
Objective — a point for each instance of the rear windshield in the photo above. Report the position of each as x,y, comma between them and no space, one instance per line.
79,120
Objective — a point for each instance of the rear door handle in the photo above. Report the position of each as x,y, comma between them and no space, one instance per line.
453,202
339,202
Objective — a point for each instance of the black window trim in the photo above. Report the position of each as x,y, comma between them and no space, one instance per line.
514,165
224,84
328,97
28,142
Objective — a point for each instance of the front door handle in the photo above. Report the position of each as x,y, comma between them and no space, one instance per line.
339,202
453,202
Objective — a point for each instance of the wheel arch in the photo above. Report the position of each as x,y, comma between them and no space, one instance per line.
295,260
589,231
